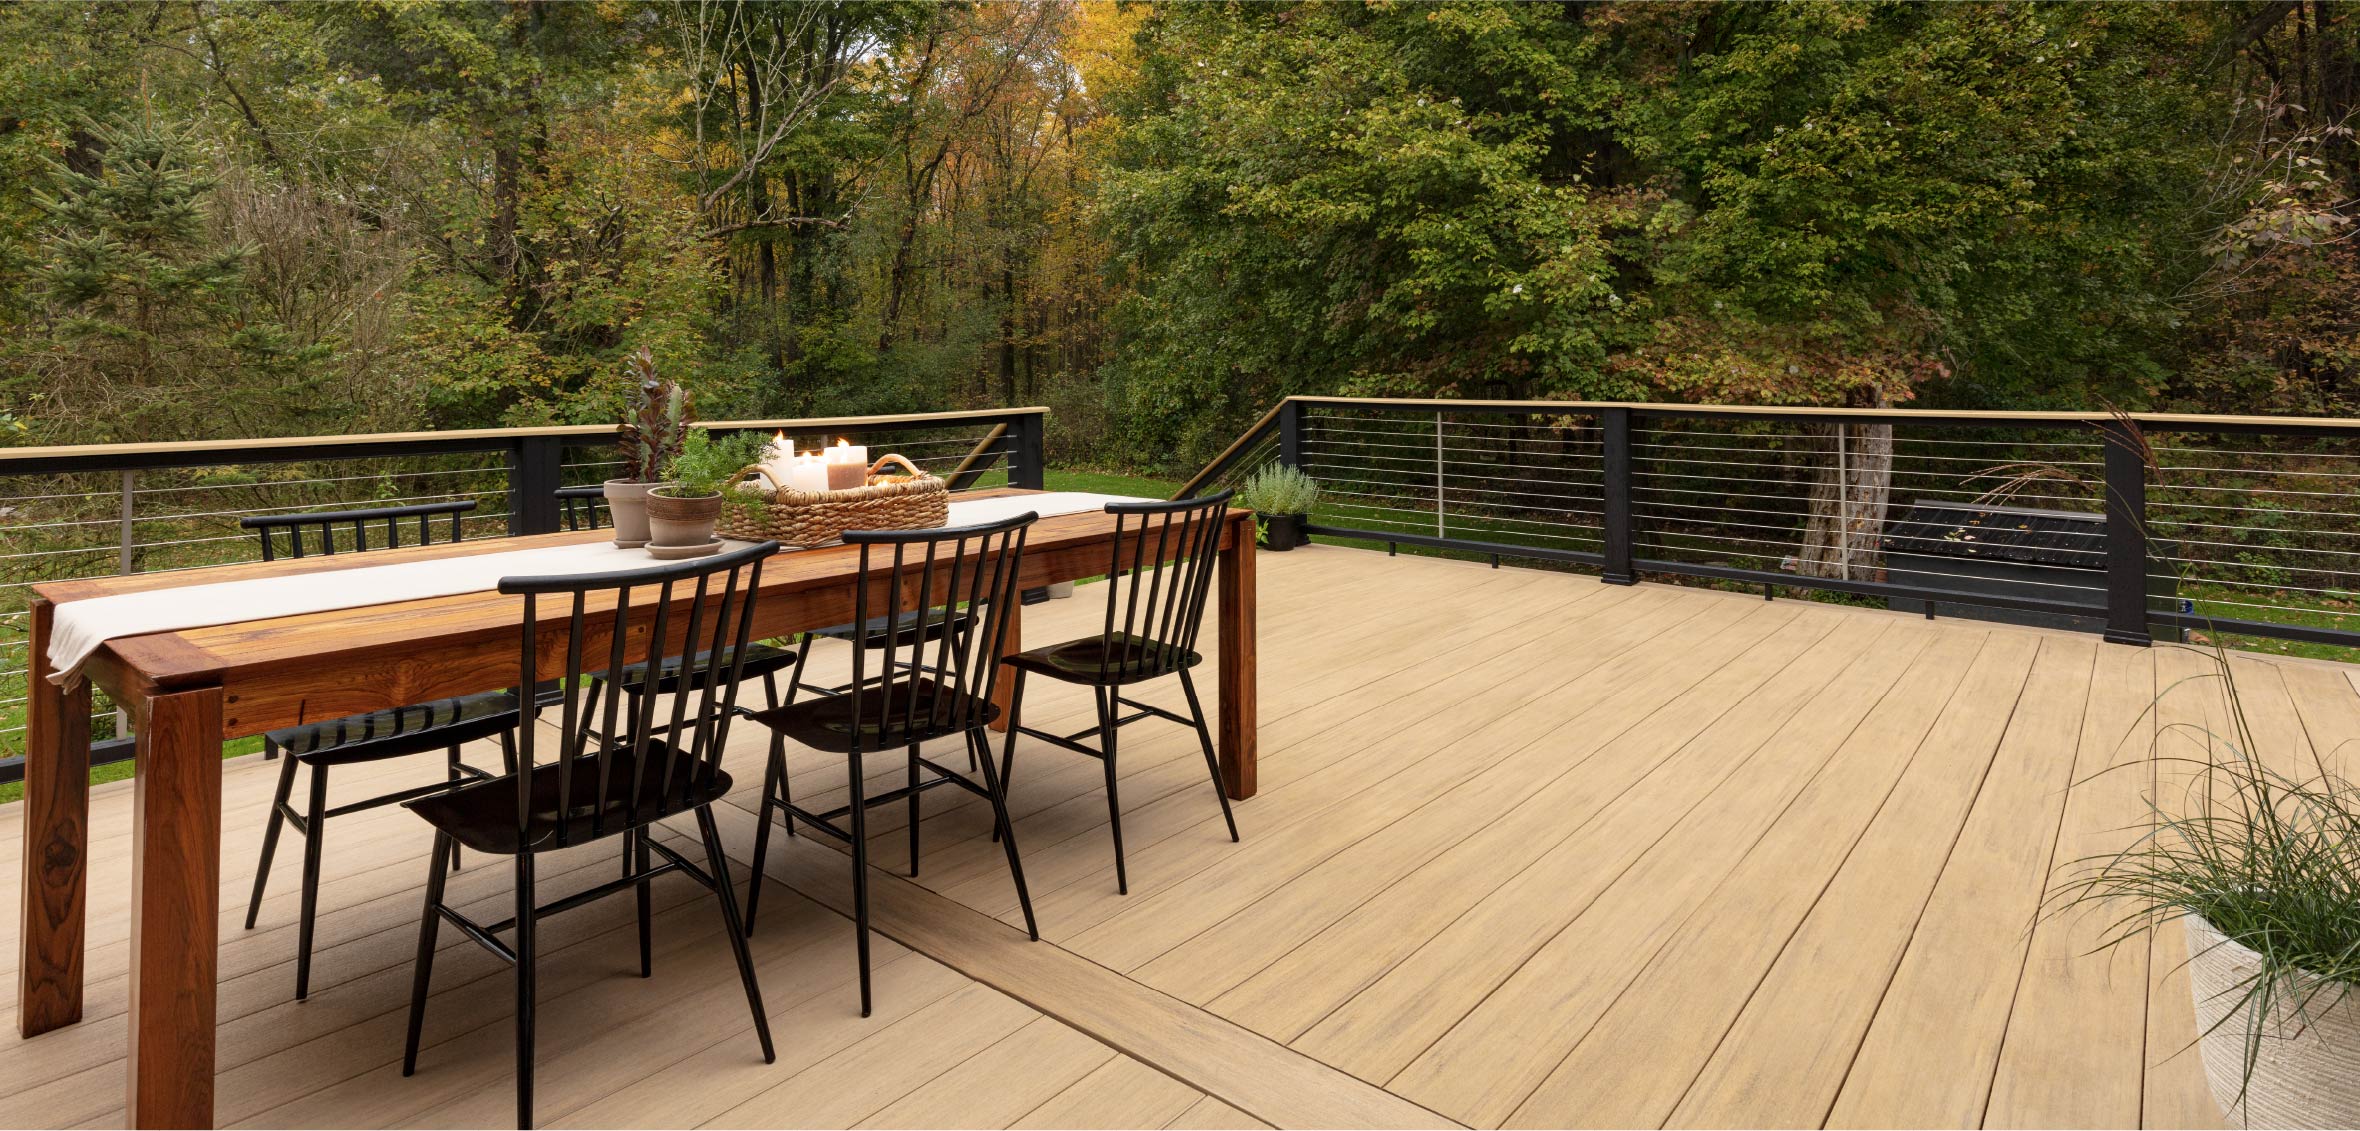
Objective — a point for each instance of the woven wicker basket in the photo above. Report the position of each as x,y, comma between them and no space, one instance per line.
803,519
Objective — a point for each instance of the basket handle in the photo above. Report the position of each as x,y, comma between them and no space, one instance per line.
748,472
896,457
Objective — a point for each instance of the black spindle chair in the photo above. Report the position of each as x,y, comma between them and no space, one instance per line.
616,769
584,507
444,724
940,685
1156,589
323,526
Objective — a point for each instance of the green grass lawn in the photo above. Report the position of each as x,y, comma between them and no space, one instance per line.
1109,483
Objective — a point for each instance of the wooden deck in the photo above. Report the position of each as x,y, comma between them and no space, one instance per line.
1529,851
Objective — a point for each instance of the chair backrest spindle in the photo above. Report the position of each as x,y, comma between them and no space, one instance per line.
927,579
269,526
614,772
1159,578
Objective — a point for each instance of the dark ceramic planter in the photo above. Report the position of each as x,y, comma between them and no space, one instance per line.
1282,531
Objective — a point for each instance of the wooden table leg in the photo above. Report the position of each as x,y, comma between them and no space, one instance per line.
1240,712
57,842
1004,683
175,908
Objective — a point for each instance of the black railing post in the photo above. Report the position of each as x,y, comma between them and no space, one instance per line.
2126,535
1614,425
1027,453
1290,433
534,471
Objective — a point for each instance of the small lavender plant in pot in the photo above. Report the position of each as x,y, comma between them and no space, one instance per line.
655,426
1281,498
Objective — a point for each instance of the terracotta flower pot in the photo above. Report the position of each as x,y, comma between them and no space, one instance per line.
626,500
682,523
2306,1074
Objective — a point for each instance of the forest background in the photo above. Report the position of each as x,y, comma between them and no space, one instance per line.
231,218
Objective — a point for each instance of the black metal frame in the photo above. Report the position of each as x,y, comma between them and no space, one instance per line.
947,693
590,802
1178,578
2128,610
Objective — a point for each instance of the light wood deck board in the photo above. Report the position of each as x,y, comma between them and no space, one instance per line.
1766,857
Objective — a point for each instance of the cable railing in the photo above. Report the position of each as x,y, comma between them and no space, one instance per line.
73,512
2138,526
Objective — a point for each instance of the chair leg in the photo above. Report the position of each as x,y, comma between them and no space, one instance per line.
913,800
270,832
640,859
1008,745
802,657
422,971
860,878
719,864
314,833
773,783
1003,828
455,776
1108,710
1204,737
525,989
508,751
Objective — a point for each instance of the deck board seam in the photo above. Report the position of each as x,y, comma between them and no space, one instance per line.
1633,862
1504,752
2047,874
1538,858
1737,861
1836,1095
887,920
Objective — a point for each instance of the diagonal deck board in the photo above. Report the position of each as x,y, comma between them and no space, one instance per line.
1530,850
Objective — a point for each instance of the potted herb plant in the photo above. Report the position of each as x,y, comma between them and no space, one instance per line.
1281,498
655,425
683,510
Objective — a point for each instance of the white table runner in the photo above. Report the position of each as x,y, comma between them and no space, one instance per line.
79,627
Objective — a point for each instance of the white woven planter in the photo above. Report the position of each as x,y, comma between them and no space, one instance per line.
2308,1074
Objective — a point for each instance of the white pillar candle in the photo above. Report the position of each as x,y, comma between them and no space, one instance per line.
778,460
808,472
848,466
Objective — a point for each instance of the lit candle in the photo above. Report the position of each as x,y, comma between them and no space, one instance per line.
848,466
778,460
809,472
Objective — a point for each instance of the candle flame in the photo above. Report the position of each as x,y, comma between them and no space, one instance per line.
841,442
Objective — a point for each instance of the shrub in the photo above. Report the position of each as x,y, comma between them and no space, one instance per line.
1278,489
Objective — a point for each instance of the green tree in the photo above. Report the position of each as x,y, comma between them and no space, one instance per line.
138,299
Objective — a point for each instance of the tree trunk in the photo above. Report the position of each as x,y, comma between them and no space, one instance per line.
1849,494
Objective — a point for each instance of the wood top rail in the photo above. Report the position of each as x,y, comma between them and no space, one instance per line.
162,453
2168,421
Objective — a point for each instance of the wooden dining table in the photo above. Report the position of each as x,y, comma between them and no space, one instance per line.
190,690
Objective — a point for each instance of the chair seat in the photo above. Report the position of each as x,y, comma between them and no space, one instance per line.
399,731
926,626
482,815
1106,660
827,724
761,660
